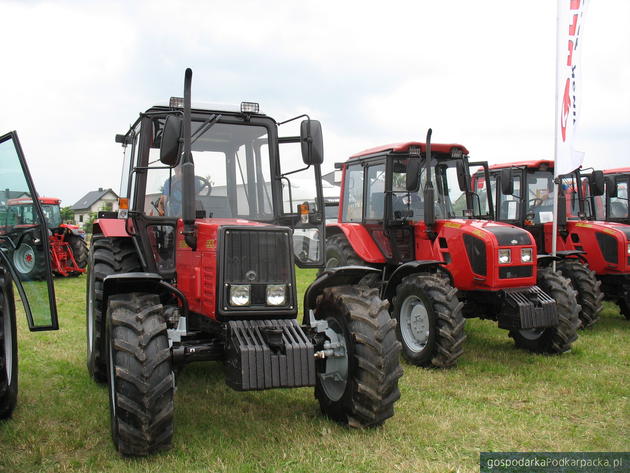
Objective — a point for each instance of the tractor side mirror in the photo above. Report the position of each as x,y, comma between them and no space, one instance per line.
596,183
611,187
412,180
312,142
171,137
507,182
461,176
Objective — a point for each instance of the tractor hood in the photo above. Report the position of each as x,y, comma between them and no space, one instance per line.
606,244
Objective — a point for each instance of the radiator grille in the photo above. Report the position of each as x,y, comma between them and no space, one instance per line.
255,256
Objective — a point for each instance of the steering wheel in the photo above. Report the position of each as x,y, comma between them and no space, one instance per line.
204,185
535,202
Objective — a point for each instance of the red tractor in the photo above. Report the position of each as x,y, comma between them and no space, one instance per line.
36,297
198,265
68,250
589,252
441,257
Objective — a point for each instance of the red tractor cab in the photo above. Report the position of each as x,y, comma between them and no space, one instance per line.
68,249
409,210
198,265
612,206
590,252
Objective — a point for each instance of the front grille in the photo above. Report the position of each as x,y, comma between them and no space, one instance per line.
476,250
510,236
255,256
511,272
608,246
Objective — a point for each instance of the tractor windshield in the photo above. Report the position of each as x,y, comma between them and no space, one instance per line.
52,215
450,200
232,174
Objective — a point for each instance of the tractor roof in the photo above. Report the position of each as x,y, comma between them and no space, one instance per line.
403,147
617,171
28,200
532,163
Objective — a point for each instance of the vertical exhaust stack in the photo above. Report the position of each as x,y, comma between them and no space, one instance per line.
429,191
188,170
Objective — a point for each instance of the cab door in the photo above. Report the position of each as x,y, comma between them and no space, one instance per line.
24,245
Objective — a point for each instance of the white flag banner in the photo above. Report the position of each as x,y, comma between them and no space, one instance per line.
568,83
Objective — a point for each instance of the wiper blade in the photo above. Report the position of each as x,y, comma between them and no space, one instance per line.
209,123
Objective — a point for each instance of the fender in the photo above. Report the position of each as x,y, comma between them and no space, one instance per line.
110,227
405,270
153,283
341,276
545,260
360,240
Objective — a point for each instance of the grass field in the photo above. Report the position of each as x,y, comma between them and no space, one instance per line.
497,399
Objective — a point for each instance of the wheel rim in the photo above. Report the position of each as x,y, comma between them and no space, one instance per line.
24,259
532,333
8,342
332,262
414,324
335,377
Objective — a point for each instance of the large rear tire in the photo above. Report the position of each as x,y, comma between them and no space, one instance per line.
339,252
139,375
359,386
8,349
79,252
430,321
589,294
558,339
107,256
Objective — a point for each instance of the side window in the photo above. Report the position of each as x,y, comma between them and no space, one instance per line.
619,204
375,205
480,188
509,208
353,194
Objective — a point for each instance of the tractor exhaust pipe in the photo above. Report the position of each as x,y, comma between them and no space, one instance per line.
429,191
188,170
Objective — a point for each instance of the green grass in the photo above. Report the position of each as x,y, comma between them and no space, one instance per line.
498,399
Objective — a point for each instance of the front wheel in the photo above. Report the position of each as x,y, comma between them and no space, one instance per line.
558,339
589,294
29,261
8,350
139,374
358,384
430,321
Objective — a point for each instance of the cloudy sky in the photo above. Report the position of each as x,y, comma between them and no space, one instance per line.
481,73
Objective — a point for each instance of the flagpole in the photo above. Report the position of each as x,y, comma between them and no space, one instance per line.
556,186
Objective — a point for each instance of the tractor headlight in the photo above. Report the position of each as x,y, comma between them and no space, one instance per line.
239,294
505,256
276,294
629,248
526,255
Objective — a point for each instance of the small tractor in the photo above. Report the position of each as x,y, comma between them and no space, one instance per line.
594,254
68,250
409,210
38,299
198,265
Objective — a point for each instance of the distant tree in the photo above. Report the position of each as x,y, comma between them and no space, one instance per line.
87,226
66,214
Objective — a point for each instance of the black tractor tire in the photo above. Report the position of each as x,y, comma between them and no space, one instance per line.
8,349
430,323
107,256
624,300
553,340
79,252
359,389
139,374
339,252
589,294
29,261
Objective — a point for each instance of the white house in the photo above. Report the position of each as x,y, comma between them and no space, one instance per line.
102,199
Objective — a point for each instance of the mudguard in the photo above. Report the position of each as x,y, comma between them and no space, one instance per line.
405,270
341,276
110,227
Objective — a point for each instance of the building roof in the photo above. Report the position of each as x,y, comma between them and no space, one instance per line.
91,198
